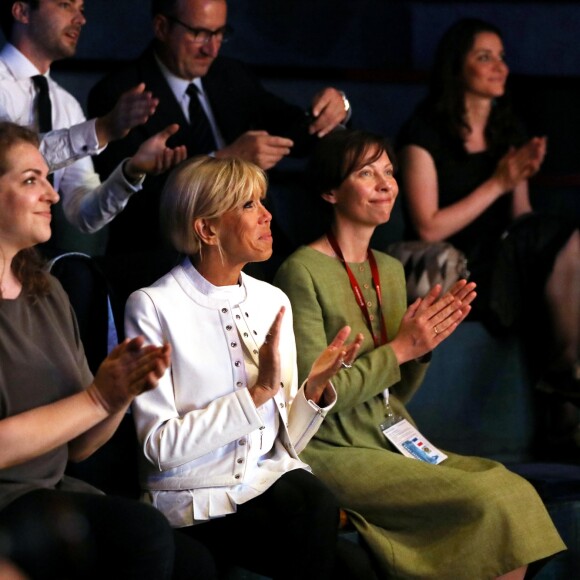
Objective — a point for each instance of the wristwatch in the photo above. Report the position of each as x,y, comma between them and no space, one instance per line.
345,101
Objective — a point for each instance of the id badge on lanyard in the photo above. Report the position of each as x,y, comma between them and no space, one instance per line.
406,438
390,417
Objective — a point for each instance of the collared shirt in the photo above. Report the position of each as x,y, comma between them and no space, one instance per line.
87,203
179,87
62,146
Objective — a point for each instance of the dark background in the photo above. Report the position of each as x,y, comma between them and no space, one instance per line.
541,37
379,52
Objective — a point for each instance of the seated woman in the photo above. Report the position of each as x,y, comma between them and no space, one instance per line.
465,165
222,433
462,518
52,410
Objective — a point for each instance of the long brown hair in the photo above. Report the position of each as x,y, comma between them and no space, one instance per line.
27,265
446,98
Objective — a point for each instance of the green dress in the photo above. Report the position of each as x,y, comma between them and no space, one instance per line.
467,518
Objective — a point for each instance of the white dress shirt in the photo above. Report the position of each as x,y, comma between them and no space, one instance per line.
206,447
179,87
87,203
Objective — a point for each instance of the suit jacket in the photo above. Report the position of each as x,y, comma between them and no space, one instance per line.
239,102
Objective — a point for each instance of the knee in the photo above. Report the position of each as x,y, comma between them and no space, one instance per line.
569,255
319,496
310,496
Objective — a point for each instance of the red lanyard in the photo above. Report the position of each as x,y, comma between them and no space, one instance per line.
357,291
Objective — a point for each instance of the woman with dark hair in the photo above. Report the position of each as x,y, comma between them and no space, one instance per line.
455,517
53,410
465,165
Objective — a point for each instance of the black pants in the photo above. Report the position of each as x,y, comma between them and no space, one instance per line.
64,535
288,532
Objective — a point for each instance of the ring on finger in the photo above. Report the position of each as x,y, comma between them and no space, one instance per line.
435,329
345,365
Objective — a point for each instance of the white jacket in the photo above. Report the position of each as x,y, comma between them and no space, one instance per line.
194,426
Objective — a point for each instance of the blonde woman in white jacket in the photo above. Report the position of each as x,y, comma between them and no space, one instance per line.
222,433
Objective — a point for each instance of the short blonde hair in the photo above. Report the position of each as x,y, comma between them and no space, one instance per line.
205,188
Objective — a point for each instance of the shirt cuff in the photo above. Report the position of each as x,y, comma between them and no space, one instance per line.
135,185
83,138
329,397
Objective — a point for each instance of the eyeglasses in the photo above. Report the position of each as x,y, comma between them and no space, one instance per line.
203,35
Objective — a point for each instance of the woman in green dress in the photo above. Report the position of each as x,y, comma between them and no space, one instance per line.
463,518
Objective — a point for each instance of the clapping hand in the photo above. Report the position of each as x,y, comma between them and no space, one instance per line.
323,369
154,157
430,320
130,369
520,164
268,382
335,356
259,147
133,108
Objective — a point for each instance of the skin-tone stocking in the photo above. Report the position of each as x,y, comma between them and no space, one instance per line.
517,574
563,294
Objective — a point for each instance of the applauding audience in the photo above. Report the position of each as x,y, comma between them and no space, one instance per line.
429,514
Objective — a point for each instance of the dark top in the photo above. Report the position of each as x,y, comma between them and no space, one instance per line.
42,361
509,260
458,174
239,103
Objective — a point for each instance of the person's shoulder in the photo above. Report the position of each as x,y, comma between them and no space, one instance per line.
66,98
158,289
230,69
305,266
123,75
5,73
222,63
267,296
253,284
303,257
55,296
55,287
421,128
386,261
126,75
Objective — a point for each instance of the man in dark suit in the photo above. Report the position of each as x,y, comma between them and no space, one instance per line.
221,107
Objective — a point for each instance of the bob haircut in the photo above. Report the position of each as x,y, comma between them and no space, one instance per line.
205,188
340,153
334,158
26,264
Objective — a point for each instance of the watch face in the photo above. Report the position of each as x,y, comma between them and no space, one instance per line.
345,101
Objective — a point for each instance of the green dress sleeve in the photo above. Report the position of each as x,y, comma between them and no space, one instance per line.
323,302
